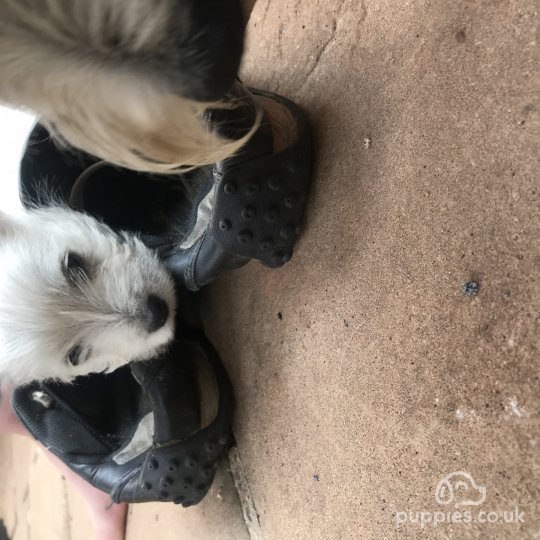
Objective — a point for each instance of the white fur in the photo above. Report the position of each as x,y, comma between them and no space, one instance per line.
90,70
43,314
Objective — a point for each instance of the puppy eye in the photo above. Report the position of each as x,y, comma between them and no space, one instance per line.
74,355
75,268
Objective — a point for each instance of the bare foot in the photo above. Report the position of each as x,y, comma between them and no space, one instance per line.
109,519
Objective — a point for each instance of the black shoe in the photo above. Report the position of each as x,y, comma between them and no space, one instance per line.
150,431
205,222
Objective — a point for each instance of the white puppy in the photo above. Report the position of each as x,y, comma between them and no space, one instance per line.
77,297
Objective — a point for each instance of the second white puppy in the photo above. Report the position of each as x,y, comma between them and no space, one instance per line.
77,297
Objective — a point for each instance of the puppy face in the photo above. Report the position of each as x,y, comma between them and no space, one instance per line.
77,298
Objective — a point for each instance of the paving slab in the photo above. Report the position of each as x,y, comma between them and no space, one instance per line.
400,345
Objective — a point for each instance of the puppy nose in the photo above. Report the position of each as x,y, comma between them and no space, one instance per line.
156,313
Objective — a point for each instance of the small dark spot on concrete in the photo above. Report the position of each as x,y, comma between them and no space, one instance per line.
345,323
280,315
471,288
303,27
460,36
417,35
316,477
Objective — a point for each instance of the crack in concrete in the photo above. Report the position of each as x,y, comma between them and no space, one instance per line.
345,6
280,41
26,493
265,12
251,517
67,519
14,528
320,54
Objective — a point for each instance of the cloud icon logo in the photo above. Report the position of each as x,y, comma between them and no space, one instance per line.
459,488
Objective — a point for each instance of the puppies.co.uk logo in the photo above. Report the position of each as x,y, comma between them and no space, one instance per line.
459,490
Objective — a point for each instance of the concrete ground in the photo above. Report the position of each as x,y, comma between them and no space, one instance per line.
364,373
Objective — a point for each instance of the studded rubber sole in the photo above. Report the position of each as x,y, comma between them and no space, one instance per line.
259,203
